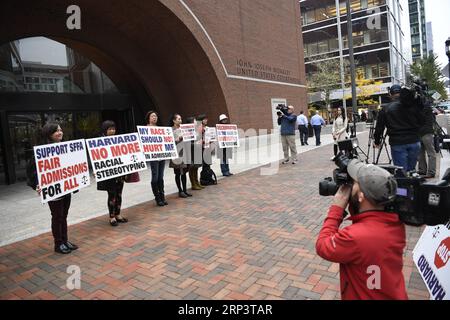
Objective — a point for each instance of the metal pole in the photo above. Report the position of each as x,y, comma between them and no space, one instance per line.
341,56
352,62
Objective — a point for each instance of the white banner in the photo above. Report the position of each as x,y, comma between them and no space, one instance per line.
431,256
210,134
116,156
188,131
227,135
62,168
158,143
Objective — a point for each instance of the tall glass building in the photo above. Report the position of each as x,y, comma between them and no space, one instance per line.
418,25
381,47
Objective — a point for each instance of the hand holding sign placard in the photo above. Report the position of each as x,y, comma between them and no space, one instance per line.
188,132
227,136
158,143
62,168
116,156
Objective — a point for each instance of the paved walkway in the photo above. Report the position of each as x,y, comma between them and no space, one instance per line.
250,237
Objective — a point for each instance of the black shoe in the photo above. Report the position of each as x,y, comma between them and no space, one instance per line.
160,203
188,194
182,195
123,220
113,223
71,246
230,173
62,248
307,143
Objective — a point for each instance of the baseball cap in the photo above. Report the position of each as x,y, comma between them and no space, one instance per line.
376,183
395,89
222,117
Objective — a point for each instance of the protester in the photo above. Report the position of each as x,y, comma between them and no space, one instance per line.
370,251
287,121
427,150
113,186
225,154
302,125
339,130
59,208
157,167
317,122
180,168
194,155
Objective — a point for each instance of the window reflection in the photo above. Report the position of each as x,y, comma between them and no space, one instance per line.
40,64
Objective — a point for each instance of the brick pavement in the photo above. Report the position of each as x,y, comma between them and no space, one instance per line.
250,237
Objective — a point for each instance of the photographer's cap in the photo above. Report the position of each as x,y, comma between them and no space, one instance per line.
376,183
222,117
395,89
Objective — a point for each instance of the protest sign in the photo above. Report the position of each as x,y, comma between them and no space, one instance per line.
188,131
210,134
115,156
227,135
158,143
432,258
62,168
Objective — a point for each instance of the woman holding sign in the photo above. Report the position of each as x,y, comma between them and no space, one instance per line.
157,167
59,207
113,186
179,166
226,153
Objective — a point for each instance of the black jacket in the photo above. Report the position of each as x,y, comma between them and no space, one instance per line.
403,123
428,118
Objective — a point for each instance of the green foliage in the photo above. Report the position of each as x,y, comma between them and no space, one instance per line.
430,70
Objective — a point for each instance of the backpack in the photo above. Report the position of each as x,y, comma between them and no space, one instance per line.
207,176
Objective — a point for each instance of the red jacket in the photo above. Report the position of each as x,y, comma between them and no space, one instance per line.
372,245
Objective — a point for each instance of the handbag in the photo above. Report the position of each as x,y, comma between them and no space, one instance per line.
132,177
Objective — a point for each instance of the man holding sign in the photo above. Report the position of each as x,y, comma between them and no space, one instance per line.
60,169
159,145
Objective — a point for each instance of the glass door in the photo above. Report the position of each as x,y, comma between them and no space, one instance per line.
25,132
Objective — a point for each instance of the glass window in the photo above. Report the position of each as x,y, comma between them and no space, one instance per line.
321,14
323,46
375,71
384,69
333,44
310,16
40,60
312,48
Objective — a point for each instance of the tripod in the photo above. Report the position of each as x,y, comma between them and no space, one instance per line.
371,145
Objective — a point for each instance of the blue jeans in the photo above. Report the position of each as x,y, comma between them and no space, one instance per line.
317,130
406,155
157,169
225,168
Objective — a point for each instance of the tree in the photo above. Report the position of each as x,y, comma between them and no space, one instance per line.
366,89
429,70
326,78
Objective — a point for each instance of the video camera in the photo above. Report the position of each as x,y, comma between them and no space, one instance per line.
417,202
416,94
281,107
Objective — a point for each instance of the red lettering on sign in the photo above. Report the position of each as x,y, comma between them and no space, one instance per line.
99,154
442,255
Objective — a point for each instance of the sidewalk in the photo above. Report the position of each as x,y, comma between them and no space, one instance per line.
250,237
23,216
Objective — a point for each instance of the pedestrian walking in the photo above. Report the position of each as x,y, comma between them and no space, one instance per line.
317,122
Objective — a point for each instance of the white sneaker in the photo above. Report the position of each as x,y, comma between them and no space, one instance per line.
285,162
294,161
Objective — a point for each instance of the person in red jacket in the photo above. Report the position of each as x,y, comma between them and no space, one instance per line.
370,251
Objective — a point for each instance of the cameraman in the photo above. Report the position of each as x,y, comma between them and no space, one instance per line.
428,170
403,121
287,120
370,251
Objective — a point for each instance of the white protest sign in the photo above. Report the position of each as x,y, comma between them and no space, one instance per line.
188,131
227,135
210,134
432,258
62,168
116,156
158,143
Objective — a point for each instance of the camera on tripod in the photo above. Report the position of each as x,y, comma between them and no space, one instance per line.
415,201
416,94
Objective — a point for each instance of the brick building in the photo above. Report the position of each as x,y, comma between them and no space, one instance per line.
187,56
